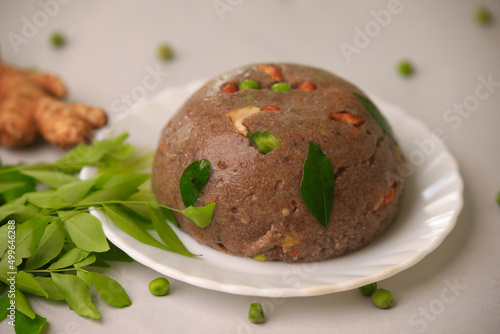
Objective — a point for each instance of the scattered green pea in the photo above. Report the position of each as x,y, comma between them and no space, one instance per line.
483,16
260,257
281,87
256,314
165,52
58,40
382,298
368,289
405,68
159,286
249,84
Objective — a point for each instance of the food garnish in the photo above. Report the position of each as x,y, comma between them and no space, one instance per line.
265,141
318,182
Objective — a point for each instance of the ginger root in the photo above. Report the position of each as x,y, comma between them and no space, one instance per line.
31,104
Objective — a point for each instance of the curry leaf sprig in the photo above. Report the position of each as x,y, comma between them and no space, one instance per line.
57,240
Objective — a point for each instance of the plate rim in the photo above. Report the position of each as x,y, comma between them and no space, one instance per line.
245,289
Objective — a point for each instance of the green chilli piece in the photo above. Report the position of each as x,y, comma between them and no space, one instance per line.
260,257
250,84
376,114
498,198
265,141
256,314
193,180
317,185
281,87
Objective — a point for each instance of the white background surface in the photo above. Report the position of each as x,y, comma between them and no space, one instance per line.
112,44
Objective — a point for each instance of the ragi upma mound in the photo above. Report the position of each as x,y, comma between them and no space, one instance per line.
302,165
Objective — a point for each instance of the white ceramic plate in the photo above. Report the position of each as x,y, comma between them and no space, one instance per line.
432,202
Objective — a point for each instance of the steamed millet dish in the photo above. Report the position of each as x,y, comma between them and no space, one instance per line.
303,167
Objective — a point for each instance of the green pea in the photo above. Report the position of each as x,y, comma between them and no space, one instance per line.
368,289
405,68
483,16
256,314
159,286
57,40
165,52
250,84
281,87
382,298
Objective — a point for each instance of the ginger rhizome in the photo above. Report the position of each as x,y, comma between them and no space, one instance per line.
31,104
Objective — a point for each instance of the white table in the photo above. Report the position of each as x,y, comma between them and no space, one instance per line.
112,47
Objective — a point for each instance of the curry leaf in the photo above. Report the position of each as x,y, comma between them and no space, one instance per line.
9,193
18,209
76,293
120,218
50,245
86,262
22,304
316,187
75,191
193,180
110,290
201,216
52,178
165,232
47,283
6,186
28,235
117,187
47,199
25,325
4,236
25,282
4,304
116,254
86,232
85,155
376,114
69,258
84,275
